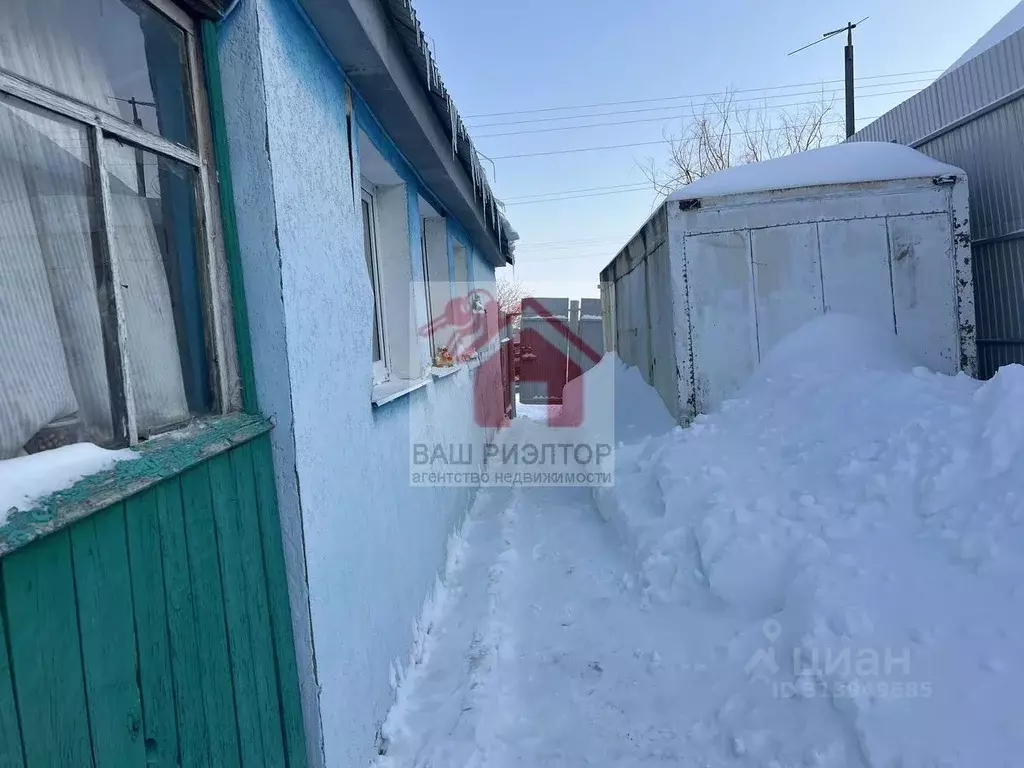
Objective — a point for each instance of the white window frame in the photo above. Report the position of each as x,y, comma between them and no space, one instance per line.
426,288
381,369
221,351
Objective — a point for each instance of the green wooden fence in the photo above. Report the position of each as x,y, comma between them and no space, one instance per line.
156,631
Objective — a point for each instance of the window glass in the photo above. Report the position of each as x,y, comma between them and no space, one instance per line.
53,373
369,249
122,56
154,228
460,255
427,282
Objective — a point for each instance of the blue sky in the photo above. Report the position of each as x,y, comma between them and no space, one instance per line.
540,54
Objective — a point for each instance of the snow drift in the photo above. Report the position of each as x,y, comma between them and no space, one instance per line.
846,539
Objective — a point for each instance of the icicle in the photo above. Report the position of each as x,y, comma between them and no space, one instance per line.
472,168
451,119
425,51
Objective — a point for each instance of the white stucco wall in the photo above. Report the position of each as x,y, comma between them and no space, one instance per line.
363,545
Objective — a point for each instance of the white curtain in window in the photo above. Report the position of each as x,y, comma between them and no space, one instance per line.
35,384
51,350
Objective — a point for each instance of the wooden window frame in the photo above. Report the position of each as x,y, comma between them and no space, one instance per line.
220,349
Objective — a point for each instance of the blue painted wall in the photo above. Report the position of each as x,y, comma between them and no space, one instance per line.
363,546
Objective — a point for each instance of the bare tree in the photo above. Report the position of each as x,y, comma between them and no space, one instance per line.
511,293
722,133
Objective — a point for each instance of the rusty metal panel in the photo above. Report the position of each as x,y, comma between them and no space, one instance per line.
973,117
724,324
920,251
787,281
855,269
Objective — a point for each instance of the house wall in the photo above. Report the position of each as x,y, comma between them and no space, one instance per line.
363,545
972,118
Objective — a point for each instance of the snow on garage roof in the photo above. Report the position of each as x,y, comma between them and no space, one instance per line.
841,164
1003,28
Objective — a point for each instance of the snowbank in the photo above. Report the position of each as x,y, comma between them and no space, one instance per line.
850,163
26,479
1006,26
610,405
618,403
848,537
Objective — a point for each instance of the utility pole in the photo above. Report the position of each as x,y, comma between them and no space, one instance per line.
851,121
140,165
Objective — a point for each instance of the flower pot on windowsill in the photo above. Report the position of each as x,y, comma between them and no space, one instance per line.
443,358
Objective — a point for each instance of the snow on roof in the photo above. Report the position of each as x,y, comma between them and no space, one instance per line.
849,163
1006,26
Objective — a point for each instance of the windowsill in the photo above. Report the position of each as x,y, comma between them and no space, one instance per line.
389,391
444,373
159,458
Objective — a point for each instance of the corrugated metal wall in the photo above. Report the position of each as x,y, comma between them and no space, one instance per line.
973,118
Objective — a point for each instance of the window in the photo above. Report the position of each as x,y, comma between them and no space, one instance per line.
426,281
106,257
460,256
439,287
400,352
373,270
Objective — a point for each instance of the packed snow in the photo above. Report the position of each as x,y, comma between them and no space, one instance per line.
858,161
27,479
828,571
1006,26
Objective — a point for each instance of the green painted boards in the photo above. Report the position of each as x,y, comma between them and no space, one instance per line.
155,632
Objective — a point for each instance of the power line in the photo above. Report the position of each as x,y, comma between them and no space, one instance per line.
574,241
602,254
693,96
644,188
530,121
569,192
574,150
520,249
661,118
583,149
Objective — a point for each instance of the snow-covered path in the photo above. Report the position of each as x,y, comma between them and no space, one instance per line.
827,572
544,653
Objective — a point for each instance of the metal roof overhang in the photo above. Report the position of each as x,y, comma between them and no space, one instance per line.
366,37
